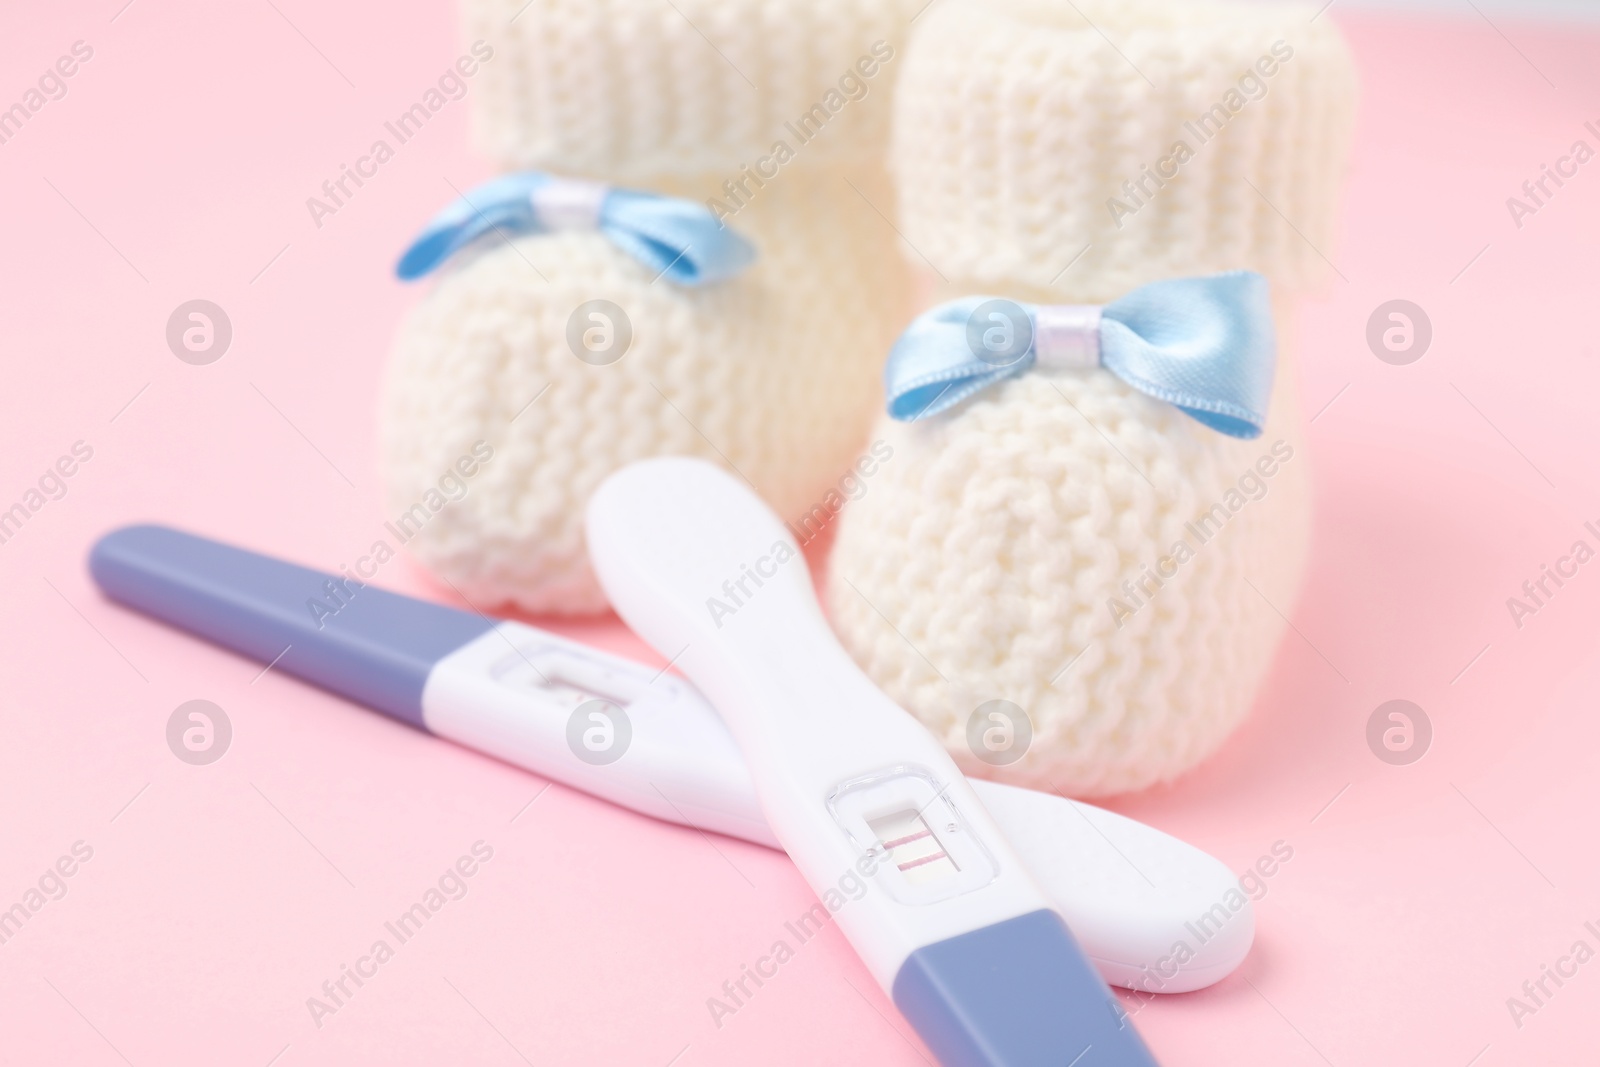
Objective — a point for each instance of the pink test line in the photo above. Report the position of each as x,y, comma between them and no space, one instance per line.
925,859
918,836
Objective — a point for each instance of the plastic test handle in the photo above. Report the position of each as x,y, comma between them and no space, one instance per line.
376,648
457,675
1129,891
954,928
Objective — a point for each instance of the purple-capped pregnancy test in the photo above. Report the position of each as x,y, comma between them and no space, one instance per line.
1143,905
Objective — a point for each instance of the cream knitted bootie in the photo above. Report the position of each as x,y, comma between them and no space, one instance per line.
772,115
1108,567
773,373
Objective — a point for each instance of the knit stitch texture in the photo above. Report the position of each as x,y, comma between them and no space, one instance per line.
773,374
1024,546
1016,126
634,90
987,561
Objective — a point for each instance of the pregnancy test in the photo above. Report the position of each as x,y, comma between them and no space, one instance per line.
954,927
1130,892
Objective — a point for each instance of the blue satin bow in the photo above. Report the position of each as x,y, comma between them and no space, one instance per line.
672,237
1205,345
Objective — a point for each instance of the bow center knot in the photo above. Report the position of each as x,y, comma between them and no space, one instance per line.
1067,336
568,203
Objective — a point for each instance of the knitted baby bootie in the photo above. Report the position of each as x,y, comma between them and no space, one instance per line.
1075,567
771,118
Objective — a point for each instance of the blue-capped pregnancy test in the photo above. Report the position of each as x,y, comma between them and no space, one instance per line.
1143,905
955,927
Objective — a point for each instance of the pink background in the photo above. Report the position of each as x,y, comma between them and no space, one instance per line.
219,898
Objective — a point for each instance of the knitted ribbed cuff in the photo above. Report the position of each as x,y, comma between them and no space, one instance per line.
629,89
1082,150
